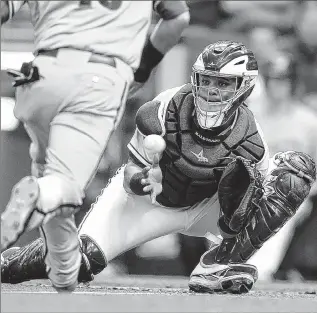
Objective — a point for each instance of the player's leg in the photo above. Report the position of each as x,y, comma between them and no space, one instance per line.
116,223
28,195
28,106
266,261
78,136
29,109
209,276
69,85
59,193
119,221
87,136
285,188
36,105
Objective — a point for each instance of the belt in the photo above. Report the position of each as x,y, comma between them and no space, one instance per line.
95,58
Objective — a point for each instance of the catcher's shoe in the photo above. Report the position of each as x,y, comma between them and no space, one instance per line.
19,211
23,264
211,277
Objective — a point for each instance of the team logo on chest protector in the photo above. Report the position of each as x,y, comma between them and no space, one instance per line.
200,156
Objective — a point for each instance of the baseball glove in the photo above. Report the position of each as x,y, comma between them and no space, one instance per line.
240,184
253,218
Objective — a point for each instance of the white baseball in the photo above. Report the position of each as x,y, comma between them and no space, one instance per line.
154,144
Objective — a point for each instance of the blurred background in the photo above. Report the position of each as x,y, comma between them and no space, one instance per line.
283,36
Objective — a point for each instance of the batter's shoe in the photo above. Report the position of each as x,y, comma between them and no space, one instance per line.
22,204
212,277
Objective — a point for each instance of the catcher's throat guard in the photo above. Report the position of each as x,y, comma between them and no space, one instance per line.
254,208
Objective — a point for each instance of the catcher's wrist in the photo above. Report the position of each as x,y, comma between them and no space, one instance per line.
136,186
149,59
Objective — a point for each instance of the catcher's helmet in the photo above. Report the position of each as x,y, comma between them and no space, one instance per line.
223,76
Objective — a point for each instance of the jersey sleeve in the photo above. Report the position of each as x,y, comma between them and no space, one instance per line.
14,7
169,9
263,164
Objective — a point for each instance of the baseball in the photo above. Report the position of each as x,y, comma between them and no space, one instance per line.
154,144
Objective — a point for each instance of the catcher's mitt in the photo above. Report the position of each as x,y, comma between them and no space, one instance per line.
240,184
253,218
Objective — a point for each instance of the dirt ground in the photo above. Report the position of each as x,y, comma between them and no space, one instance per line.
155,294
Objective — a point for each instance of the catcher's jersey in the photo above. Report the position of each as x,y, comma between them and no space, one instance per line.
114,28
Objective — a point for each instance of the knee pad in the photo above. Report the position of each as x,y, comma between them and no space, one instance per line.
57,191
93,259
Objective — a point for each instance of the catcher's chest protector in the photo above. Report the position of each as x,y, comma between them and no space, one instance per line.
192,166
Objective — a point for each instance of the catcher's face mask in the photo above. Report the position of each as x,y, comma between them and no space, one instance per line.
223,76
213,94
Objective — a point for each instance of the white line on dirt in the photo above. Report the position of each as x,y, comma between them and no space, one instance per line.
94,293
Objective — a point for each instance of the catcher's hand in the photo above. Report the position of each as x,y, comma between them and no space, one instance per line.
152,180
239,184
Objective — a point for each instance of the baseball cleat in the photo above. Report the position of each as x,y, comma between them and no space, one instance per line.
19,210
210,276
231,280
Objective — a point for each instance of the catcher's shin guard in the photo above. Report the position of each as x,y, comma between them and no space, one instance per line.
27,263
284,190
93,260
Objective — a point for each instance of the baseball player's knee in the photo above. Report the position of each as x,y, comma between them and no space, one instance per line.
57,191
94,260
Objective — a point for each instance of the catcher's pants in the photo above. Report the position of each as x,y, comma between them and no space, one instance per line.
119,221
69,115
